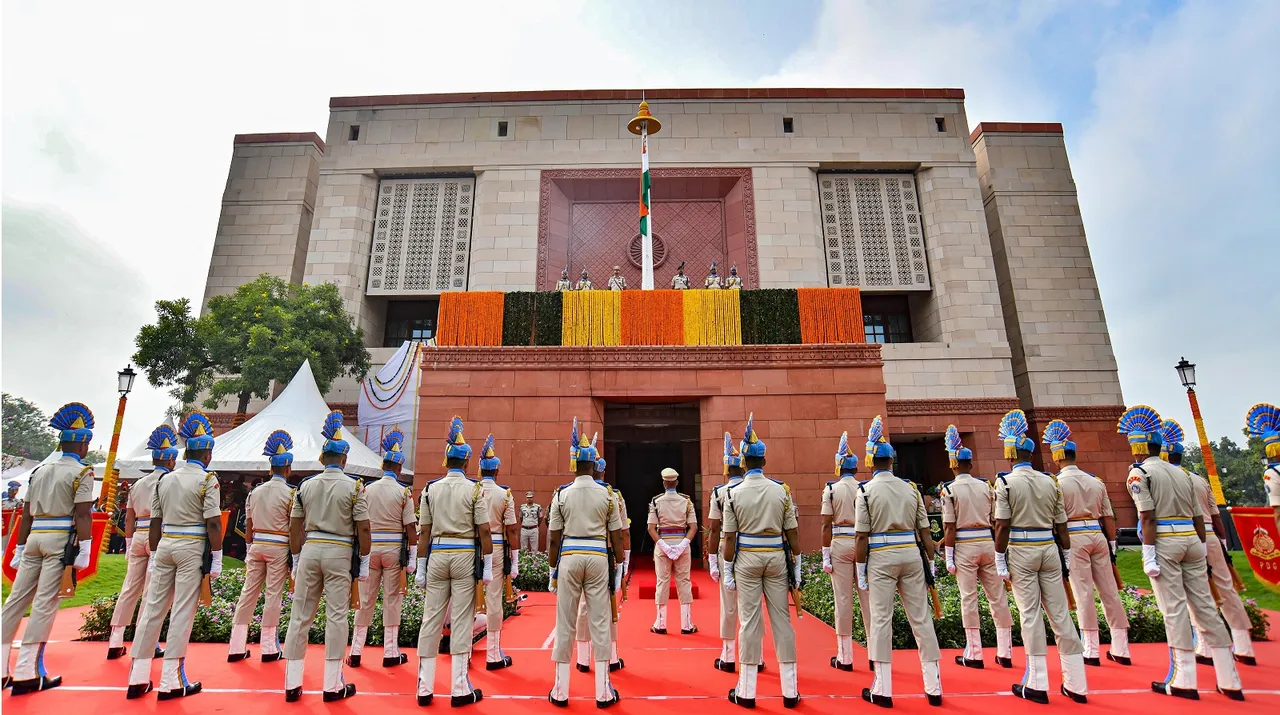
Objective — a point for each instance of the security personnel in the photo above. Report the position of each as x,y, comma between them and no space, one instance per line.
891,523
582,631
584,525
163,444
453,525
328,525
392,529
531,518
1232,607
564,284
584,282
758,514
1029,516
838,535
672,526
502,532
1264,423
712,281
59,496
970,551
680,281
186,519
733,282
1092,525
727,661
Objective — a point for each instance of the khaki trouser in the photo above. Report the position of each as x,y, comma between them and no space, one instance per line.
761,578
582,577
451,578
263,564
900,571
976,562
1232,606
323,570
1183,584
136,579
36,586
843,582
582,629
529,539
1090,567
384,571
663,566
494,593
174,589
1036,573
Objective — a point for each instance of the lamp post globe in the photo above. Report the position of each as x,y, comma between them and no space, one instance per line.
124,380
1186,373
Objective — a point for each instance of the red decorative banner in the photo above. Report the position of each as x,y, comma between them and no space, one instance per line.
1261,541
99,531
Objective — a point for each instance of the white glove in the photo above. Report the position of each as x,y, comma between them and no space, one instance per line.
82,558
412,566
1149,564
729,581
293,573
215,564
796,569
17,555
487,576
617,579
684,546
551,582
151,563
1113,549
1002,565
364,568
666,550
128,543
515,564
713,563
626,559
420,576
951,559
826,559
933,568
862,575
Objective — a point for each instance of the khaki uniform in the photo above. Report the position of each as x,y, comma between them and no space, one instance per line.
672,514
1085,502
52,494
136,576
530,520
267,560
838,502
758,512
967,503
1232,607
390,513
582,629
728,599
502,514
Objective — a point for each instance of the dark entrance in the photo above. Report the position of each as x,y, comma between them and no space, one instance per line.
641,440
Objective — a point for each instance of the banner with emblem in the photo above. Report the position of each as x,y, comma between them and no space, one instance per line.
98,531
1256,526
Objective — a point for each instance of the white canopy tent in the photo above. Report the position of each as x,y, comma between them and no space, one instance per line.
127,474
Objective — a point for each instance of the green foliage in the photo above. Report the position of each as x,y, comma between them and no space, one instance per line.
26,430
548,318
535,571
95,457
518,314
770,316
1239,469
174,351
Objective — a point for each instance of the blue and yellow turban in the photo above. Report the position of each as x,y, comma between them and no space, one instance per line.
956,451
732,457
1171,436
752,445
393,447
332,433
489,461
580,450
1058,436
277,448
1264,422
846,461
1013,432
877,442
1142,425
197,431
163,443
456,446
74,423
600,465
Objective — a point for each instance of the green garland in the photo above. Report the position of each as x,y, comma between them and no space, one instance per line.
548,312
770,316
518,312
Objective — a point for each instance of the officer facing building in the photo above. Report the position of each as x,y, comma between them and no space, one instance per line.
672,526
502,533
733,469
839,514
582,629
1264,423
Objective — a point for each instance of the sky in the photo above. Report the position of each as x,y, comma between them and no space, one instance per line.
118,120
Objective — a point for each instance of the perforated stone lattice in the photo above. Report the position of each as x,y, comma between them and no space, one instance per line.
872,230
422,236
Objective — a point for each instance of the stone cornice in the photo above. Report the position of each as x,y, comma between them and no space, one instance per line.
652,358
956,406
1077,413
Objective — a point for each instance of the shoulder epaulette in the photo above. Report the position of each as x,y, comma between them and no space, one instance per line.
473,480
433,481
717,488
601,482
562,486
776,481
829,484
686,496
86,470
1001,478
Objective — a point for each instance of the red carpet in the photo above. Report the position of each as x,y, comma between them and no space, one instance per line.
672,667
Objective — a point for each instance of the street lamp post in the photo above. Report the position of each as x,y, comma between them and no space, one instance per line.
110,482
1187,375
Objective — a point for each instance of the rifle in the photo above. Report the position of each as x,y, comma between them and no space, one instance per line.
404,564
288,569
1213,588
1237,583
1115,571
206,567
509,592
1066,573
477,570
355,570
930,581
797,596
69,555
613,586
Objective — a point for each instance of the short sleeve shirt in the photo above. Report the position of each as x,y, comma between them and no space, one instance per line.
453,506
584,508
1084,496
1029,499
187,496
530,515
1166,490
143,491
331,502
269,505
758,505
968,502
671,509
56,488
501,506
390,505
887,503
839,501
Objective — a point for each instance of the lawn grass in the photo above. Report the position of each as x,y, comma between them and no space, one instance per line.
109,579
1129,562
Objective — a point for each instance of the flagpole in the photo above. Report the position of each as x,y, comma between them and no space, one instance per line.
644,124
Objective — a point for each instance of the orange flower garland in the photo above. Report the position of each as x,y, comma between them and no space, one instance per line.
830,315
470,318
653,317
712,317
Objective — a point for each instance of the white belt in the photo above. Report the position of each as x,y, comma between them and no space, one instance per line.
266,537
453,543
324,537
843,531
143,523
386,537
583,545
51,524
497,540
1030,537
759,542
1175,527
892,540
184,531
977,534
1083,525
1208,528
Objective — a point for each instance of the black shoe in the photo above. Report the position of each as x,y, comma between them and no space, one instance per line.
1035,696
934,700
1166,689
729,667
688,631
458,701
1004,662
602,704
44,682
293,695
498,664
444,646
760,668
558,703
882,701
395,660
961,660
5,682
159,653
659,631
1203,660
272,657
184,691
1075,697
346,692
1121,659
871,665
748,703
138,690
114,653
237,657
353,661
790,703
619,665
835,663
1233,694
1093,661
425,700
1246,659
583,668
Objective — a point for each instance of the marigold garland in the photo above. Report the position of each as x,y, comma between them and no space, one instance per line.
653,317
591,318
830,315
470,318
712,317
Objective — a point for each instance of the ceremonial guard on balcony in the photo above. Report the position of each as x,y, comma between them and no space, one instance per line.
584,538
733,282
1092,526
163,444
530,519
680,281
56,523
892,526
761,564
1173,556
267,561
839,516
1218,560
1264,423
1032,545
713,279
617,281
502,533
456,561
583,628
329,539
564,284
672,526
186,544
584,282
393,554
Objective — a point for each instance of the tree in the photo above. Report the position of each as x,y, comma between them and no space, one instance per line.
95,457
1239,469
245,341
26,429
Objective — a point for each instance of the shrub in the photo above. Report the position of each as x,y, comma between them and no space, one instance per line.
535,570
